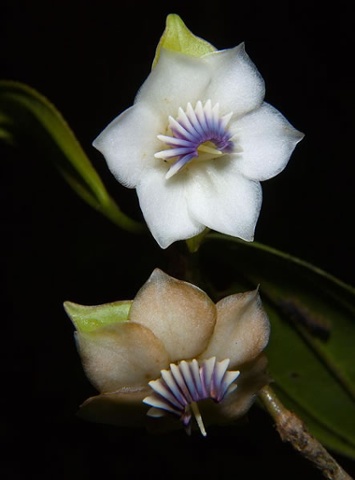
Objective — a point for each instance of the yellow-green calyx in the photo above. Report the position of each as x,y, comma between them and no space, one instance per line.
179,38
91,318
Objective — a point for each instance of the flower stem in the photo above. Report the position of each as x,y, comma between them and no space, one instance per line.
194,243
291,429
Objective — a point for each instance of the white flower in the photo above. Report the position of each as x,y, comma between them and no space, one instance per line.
196,144
174,351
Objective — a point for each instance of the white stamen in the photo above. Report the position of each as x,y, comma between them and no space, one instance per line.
206,149
197,415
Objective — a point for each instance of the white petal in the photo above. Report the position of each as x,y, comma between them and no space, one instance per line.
123,355
129,143
223,200
176,80
181,315
164,206
242,329
267,141
236,83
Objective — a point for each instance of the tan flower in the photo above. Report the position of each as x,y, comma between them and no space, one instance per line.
192,361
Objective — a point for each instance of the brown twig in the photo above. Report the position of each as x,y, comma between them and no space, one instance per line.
292,429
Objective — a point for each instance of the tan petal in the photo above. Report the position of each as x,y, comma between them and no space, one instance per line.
181,315
122,408
253,377
125,408
242,329
121,355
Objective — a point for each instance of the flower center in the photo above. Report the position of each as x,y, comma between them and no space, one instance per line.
198,132
180,388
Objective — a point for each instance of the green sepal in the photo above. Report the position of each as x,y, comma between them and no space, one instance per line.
312,316
90,318
178,38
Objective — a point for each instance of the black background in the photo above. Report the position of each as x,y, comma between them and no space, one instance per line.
89,58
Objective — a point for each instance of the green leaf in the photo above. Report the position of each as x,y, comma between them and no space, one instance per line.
29,120
90,318
179,38
312,344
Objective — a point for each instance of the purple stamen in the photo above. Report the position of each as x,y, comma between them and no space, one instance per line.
191,130
180,388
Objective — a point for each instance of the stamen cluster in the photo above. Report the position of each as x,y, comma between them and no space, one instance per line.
180,388
197,132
